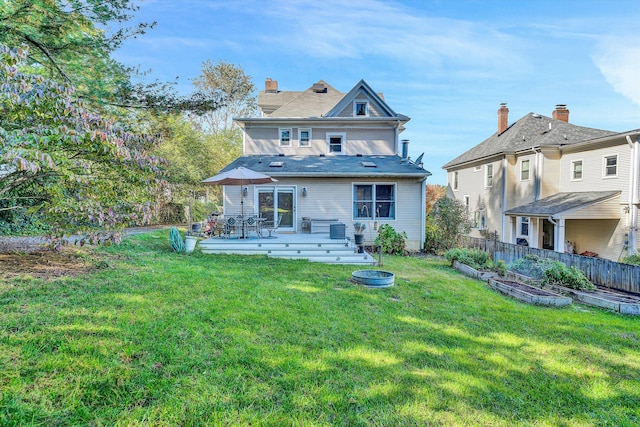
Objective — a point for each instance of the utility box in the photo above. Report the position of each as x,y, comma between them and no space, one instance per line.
337,231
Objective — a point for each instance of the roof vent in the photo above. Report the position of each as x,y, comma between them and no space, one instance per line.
319,88
368,164
276,164
281,155
358,155
321,155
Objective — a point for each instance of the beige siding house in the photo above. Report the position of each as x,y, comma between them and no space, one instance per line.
336,156
546,183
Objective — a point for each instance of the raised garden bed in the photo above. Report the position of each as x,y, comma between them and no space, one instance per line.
610,299
472,272
620,302
528,294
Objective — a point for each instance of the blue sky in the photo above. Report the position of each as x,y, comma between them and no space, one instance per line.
447,64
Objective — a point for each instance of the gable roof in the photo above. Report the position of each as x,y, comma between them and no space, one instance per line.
361,87
330,166
531,131
561,202
314,103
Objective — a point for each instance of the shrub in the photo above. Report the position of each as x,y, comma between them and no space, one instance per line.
571,277
446,224
552,272
391,241
632,259
477,259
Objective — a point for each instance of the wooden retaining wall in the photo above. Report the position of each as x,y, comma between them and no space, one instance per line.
611,274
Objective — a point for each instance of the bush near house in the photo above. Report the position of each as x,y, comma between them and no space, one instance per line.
552,272
392,242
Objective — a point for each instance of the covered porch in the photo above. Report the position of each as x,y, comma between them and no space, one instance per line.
588,223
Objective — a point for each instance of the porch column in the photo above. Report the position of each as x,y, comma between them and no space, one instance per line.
559,235
534,232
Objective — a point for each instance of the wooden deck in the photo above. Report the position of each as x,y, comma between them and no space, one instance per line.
313,247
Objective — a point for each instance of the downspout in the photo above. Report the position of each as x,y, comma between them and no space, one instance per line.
504,199
634,177
423,201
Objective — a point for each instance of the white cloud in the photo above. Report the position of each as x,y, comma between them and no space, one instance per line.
618,59
337,29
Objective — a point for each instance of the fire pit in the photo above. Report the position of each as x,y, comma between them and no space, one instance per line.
373,278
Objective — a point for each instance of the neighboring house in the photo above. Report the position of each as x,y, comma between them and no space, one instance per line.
335,156
550,184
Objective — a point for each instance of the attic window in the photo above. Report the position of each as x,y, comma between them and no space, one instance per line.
368,164
360,109
276,164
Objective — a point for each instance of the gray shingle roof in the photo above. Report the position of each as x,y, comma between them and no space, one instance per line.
304,104
331,166
560,202
533,130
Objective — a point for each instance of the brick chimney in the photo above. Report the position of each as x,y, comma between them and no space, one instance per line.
271,86
503,118
561,113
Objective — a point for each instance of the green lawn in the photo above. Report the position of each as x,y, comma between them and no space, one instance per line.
164,339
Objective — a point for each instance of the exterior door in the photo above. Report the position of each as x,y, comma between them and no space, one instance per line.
281,201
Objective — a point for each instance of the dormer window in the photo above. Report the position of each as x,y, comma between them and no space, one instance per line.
361,109
285,137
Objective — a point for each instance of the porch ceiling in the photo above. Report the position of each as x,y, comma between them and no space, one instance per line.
562,204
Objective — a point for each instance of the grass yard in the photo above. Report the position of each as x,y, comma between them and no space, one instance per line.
156,338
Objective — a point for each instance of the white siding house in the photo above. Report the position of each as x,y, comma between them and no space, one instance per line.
555,185
335,156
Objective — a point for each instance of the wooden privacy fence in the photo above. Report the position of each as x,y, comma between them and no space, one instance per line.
624,277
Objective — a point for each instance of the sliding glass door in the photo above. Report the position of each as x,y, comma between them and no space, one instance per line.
280,201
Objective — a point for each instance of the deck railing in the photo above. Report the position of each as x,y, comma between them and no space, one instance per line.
600,271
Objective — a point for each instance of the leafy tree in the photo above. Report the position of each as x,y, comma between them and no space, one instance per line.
435,192
229,82
446,224
71,41
92,175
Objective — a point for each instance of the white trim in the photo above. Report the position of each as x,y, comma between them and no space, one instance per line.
355,108
343,144
572,170
604,166
300,130
280,131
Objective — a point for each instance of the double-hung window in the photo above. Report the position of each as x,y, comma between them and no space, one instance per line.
524,170
576,170
455,180
374,201
488,181
285,137
611,166
335,143
524,226
304,137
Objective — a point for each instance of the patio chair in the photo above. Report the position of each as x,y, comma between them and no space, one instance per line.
272,226
252,224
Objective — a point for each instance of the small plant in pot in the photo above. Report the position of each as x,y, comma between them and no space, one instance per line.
358,232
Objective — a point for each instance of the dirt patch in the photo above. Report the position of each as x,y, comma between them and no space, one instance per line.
44,264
